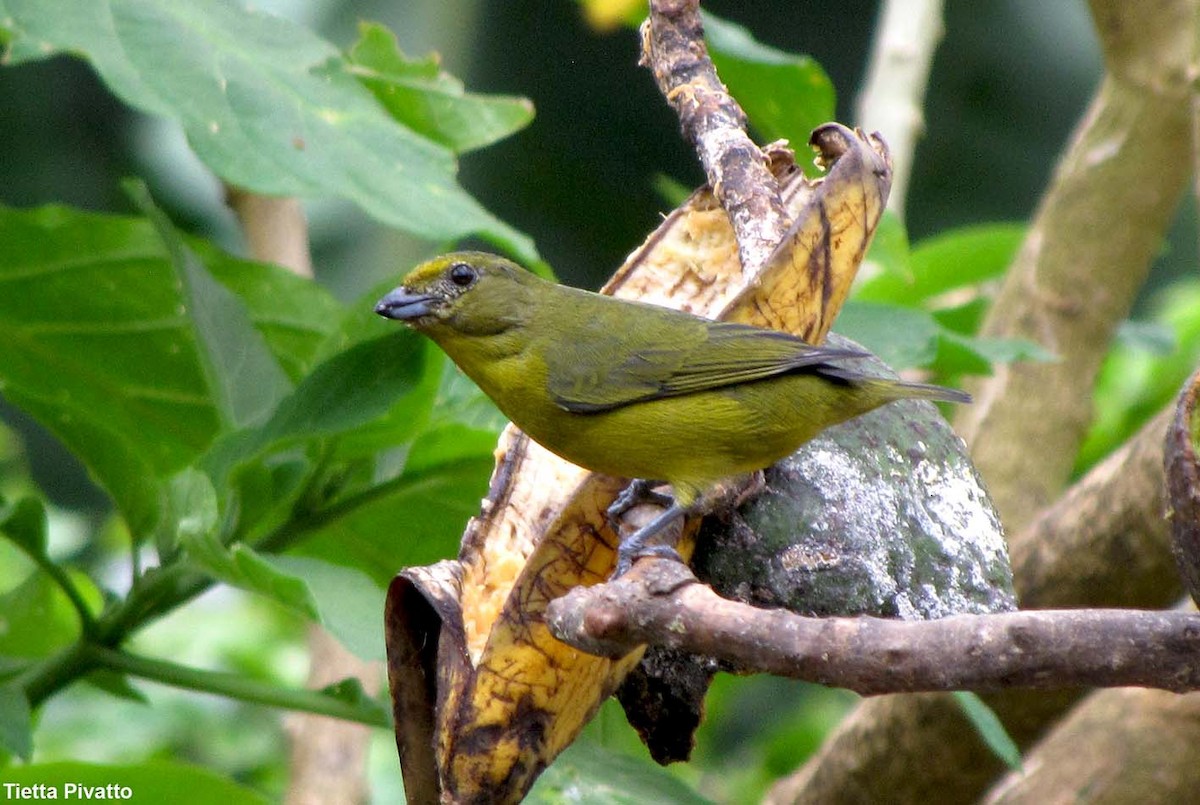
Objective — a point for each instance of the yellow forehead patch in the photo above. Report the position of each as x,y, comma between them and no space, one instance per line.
427,272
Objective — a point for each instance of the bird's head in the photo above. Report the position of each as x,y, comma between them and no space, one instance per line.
471,293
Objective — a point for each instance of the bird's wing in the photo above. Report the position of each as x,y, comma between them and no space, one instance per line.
612,369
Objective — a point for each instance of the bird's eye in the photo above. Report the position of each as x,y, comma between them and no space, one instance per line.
462,274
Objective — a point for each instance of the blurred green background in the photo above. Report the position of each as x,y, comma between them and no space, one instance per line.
1009,83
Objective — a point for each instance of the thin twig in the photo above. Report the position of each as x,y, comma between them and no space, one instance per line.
234,686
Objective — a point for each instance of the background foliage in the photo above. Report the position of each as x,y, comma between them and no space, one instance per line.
202,453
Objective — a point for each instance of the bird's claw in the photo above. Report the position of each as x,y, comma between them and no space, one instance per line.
637,492
626,558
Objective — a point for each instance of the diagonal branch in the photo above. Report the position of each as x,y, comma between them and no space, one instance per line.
673,48
661,603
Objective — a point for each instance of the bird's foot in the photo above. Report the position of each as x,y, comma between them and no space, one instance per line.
638,491
625,559
638,543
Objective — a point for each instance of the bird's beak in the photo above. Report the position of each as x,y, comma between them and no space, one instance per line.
402,304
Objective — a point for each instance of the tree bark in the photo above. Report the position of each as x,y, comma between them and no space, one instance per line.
1094,235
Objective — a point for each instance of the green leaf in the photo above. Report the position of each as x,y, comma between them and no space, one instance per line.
964,319
242,375
16,724
953,259
784,95
672,191
1135,380
593,774
889,251
192,510
905,337
382,383
901,337
116,378
266,104
349,603
417,517
151,781
37,618
25,524
350,691
1152,337
293,314
1005,350
430,102
990,728
120,380
116,684
460,402
346,601
240,566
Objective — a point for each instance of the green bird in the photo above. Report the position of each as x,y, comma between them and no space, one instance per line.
631,389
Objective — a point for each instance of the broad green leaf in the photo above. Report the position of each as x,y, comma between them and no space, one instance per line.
266,491
460,402
905,337
990,728
116,377
119,378
294,314
350,604
964,319
16,725
672,191
429,101
955,358
242,375
152,781
417,517
382,383
25,524
372,396
240,566
901,337
265,103
785,95
592,774
347,602
37,618
953,259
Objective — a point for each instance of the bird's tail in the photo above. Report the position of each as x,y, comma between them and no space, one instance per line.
928,391
896,389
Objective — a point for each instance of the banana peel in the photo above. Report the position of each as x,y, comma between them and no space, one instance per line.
484,697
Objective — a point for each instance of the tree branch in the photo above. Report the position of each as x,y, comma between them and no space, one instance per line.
893,97
1105,542
673,48
661,603
1088,251
1123,745
328,757
275,228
